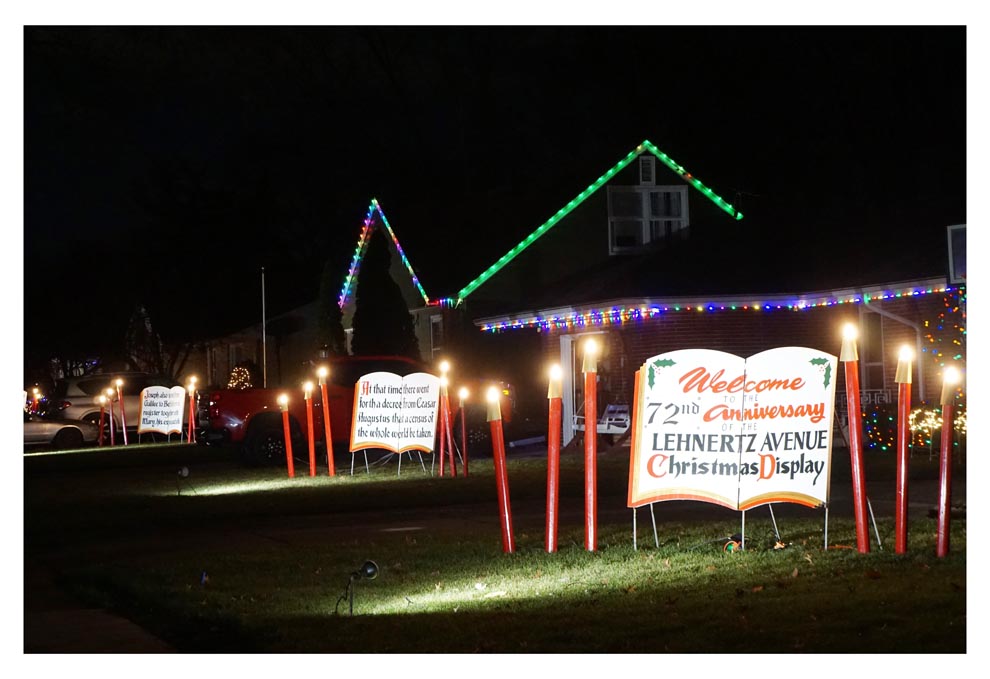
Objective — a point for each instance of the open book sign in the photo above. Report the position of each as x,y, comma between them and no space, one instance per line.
715,427
395,413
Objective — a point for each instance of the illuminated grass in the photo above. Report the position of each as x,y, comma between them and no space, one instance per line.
277,555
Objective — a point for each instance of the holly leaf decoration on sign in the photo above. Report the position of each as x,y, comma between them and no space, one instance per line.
827,371
655,370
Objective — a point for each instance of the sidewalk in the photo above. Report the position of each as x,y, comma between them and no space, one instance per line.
54,623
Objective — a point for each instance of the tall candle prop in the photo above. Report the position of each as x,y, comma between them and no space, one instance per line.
444,367
590,370
445,399
501,475
283,402
191,428
555,394
950,378
103,405
850,356
462,395
123,415
322,375
308,398
903,380
113,426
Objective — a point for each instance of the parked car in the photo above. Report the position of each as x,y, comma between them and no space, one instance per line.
61,433
252,419
78,398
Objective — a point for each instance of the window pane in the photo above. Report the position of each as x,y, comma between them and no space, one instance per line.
627,204
626,233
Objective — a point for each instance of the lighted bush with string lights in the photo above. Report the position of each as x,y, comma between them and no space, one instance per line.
924,423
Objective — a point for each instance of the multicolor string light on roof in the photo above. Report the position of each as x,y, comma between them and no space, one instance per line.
618,315
362,246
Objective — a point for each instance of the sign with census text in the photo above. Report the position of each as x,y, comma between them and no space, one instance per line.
395,413
715,427
162,410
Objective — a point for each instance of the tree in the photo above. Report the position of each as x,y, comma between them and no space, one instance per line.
382,323
330,326
145,350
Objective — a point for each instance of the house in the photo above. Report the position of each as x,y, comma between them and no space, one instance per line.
649,259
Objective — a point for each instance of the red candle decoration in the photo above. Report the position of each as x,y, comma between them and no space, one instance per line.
191,426
322,375
447,426
501,476
113,425
444,411
950,378
462,395
103,405
850,356
903,380
37,397
308,398
123,415
590,370
555,394
283,402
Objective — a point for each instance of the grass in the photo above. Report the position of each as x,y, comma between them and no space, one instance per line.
245,560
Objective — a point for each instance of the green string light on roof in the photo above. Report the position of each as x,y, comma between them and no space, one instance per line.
580,198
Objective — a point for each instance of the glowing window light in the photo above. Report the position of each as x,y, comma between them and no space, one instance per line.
580,198
362,246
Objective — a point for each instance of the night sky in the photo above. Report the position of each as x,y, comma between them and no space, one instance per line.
166,166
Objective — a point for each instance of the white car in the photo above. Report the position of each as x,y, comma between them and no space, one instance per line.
78,398
58,433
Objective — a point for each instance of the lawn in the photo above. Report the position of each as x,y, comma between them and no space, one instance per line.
232,559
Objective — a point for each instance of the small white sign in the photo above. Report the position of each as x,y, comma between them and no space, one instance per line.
395,413
162,410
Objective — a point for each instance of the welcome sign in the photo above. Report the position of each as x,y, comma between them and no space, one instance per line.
161,410
715,427
395,413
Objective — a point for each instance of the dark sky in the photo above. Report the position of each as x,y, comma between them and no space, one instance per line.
165,166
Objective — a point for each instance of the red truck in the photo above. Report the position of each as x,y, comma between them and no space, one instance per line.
252,418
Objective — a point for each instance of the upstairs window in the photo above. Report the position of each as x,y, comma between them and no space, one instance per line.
641,215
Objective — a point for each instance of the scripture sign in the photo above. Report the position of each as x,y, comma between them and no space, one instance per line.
395,413
740,433
161,410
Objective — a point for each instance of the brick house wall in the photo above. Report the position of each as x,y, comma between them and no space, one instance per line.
744,333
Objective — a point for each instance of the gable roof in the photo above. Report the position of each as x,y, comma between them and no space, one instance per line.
581,197
362,246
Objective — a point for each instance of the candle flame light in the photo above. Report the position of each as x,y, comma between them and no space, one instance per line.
849,352
322,373
462,393
590,356
444,367
904,359
492,395
444,381
283,401
556,389
950,378
308,388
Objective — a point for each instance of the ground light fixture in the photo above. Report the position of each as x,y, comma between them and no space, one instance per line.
368,571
